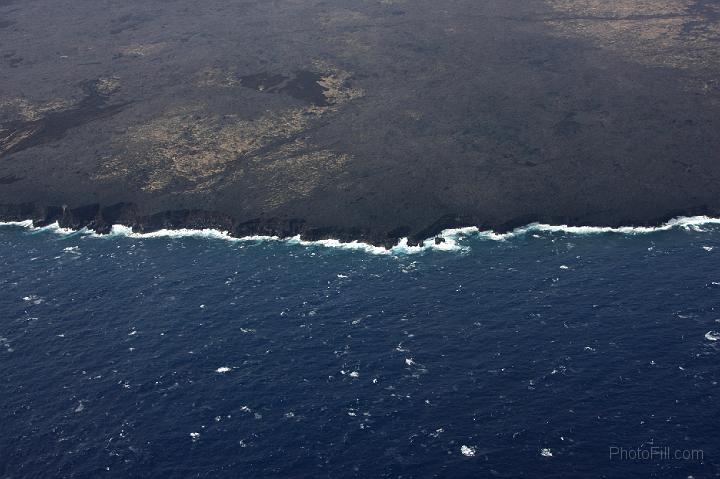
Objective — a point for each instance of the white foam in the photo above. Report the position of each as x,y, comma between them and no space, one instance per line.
222,369
450,238
35,299
467,451
6,343
56,228
21,224
712,336
126,231
684,222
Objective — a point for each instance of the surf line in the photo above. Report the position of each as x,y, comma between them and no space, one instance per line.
451,238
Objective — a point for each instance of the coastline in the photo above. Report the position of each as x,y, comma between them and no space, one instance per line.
330,141
446,239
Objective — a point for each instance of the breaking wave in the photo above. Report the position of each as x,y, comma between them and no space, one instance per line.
450,238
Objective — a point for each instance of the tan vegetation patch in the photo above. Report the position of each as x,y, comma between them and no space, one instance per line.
10,138
620,8
192,146
414,114
141,50
217,78
192,149
202,151
111,167
651,32
342,17
22,109
354,43
107,85
295,170
335,83
335,90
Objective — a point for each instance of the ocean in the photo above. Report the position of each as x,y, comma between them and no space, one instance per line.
548,352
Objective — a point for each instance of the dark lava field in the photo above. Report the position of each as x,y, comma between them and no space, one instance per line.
358,119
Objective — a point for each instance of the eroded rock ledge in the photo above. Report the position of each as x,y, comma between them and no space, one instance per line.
100,219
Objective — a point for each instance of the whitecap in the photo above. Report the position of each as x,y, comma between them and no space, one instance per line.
34,299
57,229
21,224
467,451
6,343
712,336
223,369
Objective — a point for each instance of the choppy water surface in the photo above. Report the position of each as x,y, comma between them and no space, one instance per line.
195,357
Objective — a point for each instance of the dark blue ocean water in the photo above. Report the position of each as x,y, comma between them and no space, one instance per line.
195,357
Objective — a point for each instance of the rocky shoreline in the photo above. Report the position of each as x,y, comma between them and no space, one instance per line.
100,219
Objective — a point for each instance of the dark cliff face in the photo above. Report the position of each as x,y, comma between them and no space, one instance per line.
371,120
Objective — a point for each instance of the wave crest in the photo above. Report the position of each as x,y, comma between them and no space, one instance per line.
451,238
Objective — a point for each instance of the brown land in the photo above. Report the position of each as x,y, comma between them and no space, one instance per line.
358,119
